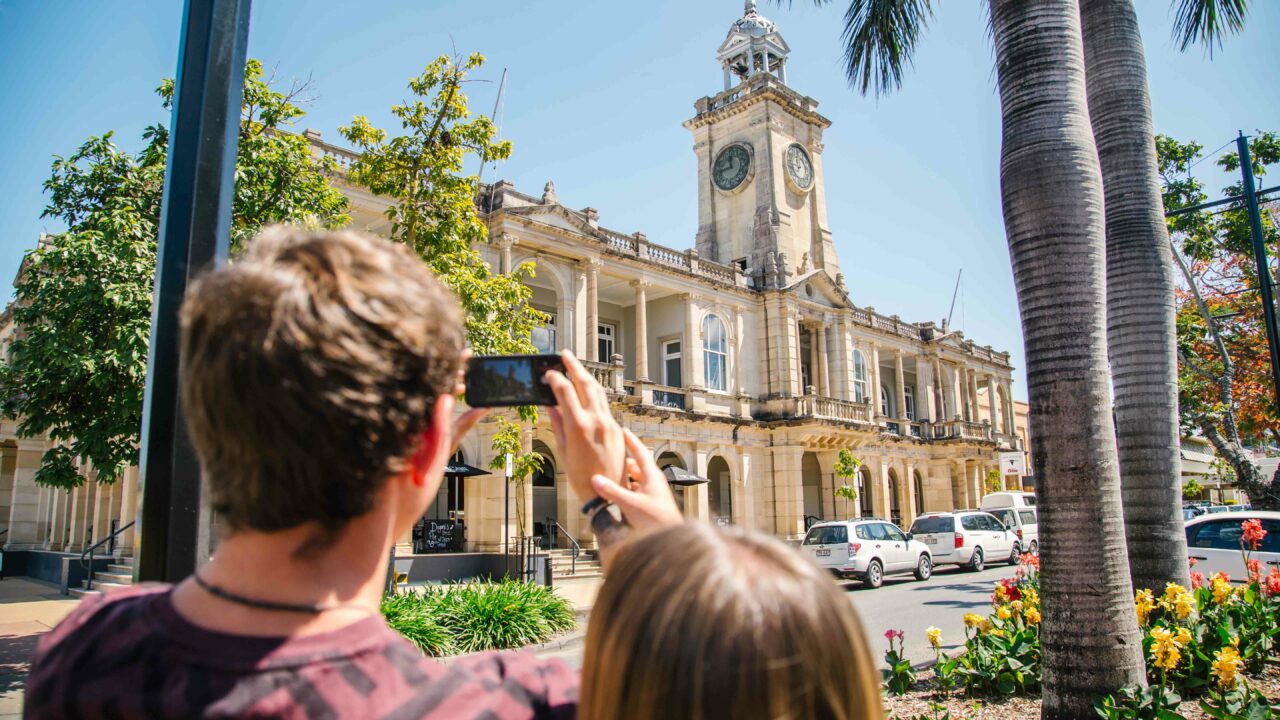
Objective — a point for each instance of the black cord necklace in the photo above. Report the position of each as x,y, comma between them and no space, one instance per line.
307,608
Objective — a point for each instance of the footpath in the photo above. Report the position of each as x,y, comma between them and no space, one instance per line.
28,609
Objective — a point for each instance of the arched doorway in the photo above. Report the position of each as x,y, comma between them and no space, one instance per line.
919,499
545,512
666,460
811,487
719,492
895,498
866,493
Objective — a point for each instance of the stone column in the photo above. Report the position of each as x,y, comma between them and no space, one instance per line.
957,394
991,403
505,242
973,394
788,487
876,401
880,473
696,498
578,326
25,506
692,344
737,345
976,492
900,377
814,381
593,309
925,398
909,494
744,493
642,331
824,374
127,543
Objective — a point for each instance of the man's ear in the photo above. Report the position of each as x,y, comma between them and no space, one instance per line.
436,439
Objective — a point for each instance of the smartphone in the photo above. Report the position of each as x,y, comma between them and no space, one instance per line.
510,380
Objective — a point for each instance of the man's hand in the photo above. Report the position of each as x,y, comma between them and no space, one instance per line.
590,441
648,503
468,419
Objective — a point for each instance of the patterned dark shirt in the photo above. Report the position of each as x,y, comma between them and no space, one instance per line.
129,654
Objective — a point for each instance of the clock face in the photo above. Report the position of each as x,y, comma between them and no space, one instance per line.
799,167
731,167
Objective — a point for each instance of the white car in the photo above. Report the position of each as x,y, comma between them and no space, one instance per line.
966,537
1024,522
1213,541
866,550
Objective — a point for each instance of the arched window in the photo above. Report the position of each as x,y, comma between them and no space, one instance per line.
715,353
909,396
859,377
885,397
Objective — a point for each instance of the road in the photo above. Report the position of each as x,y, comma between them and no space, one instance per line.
904,603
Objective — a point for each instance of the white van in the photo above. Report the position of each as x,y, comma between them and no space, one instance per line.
1017,510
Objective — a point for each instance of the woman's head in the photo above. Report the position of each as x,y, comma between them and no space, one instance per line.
699,623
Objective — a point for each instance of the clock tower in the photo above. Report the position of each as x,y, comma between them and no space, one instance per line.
761,200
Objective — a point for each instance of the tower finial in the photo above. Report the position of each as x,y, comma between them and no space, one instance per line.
750,7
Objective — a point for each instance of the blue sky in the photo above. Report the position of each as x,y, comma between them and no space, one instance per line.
595,98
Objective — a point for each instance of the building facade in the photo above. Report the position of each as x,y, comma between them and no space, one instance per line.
744,359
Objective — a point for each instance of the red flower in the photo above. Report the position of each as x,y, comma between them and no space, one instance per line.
1197,580
1031,561
1255,570
1272,585
1011,589
1191,562
1253,532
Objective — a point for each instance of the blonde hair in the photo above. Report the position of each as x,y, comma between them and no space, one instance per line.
697,623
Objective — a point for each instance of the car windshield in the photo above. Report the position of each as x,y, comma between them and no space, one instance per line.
826,535
933,525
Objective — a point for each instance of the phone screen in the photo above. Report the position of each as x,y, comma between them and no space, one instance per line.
510,380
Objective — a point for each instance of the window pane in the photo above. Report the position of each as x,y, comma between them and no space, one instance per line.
894,534
862,532
672,372
1271,543
931,525
970,522
1028,517
1220,535
715,370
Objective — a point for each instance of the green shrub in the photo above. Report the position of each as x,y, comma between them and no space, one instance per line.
470,617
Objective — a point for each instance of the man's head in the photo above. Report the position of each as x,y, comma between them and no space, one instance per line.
311,369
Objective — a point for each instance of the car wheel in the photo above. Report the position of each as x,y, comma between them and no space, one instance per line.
924,568
1015,554
875,575
1035,548
977,562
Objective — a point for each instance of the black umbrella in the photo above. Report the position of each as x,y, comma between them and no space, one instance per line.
679,476
462,470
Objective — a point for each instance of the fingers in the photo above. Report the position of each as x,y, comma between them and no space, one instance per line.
615,493
647,470
567,400
460,388
584,383
464,424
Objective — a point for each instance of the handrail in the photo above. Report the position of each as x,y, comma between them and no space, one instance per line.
577,549
88,582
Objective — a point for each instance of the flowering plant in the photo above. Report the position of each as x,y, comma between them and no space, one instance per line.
900,676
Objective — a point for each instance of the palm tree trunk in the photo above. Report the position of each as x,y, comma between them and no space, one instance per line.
1053,209
1140,299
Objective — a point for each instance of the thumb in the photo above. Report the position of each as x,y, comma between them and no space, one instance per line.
612,492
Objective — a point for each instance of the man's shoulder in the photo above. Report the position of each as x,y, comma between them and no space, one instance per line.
125,606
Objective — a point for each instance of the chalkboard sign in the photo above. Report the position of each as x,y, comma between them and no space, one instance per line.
437,536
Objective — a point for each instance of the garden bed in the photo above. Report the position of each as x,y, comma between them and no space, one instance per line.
923,697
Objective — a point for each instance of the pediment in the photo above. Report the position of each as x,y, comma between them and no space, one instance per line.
557,216
819,287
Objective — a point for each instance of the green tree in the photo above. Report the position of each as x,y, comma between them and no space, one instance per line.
1192,490
847,467
434,212
77,367
1225,372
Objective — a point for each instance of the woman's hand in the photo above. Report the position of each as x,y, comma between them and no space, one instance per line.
468,419
647,502
590,441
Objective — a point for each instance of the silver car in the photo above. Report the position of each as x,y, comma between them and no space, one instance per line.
866,550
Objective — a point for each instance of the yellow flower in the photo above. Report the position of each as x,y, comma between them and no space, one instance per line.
934,635
972,620
1031,597
987,626
1227,665
1003,613
1184,605
1145,604
1221,589
1016,606
1033,616
1166,647
1001,595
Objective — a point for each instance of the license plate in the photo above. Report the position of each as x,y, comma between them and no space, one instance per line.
930,541
823,553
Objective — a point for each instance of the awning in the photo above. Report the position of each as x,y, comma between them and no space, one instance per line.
462,470
679,476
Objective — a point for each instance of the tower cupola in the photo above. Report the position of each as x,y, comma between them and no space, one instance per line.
752,47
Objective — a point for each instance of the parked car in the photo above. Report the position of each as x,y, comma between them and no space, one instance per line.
866,550
1213,541
1215,509
966,537
1190,514
1018,515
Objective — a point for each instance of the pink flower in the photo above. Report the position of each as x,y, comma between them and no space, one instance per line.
1197,580
1273,582
1191,562
1253,532
1255,570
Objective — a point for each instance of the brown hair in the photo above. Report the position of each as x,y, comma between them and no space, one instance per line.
698,623
310,367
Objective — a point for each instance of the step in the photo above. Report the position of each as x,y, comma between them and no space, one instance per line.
578,577
114,577
109,585
81,593
120,568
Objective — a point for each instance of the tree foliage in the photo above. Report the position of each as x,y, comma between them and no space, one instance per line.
77,367
1225,385
434,212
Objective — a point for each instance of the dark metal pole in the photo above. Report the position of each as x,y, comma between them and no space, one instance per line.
506,516
195,232
1264,267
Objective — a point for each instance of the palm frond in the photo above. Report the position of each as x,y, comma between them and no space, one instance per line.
879,40
1207,22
